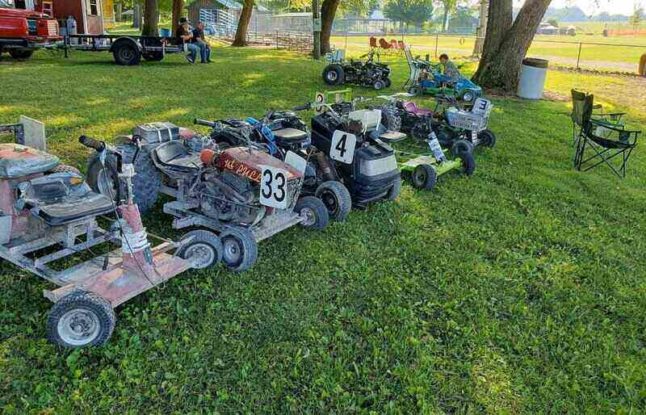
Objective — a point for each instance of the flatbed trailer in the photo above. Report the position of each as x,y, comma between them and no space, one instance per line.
126,49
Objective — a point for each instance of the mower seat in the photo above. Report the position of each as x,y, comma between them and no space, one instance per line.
174,154
290,136
392,136
72,209
410,106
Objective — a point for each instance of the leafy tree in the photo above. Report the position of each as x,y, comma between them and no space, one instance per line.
449,6
243,24
553,22
409,11
637,16
507,41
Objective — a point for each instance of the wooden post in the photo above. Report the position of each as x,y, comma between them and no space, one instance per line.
578,58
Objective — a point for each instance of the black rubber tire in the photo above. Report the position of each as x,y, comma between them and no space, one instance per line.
315,207
424,177
66,168
487,138
414,90
126,54
20,53
203,240
89,302
461,146
395,190
153,56
388,82
336,198
333,74
379,85
390,118
145,184
468,163
240,239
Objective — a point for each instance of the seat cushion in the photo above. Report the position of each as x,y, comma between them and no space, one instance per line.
18,161
71,209
175,154
290,135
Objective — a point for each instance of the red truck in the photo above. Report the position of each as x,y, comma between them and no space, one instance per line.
23,31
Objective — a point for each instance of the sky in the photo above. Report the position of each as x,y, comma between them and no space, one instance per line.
625,7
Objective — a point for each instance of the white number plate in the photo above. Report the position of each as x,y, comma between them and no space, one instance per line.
481,106
273,187
342,148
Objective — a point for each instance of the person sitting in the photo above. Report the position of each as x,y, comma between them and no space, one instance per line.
184,36
450,71
200,40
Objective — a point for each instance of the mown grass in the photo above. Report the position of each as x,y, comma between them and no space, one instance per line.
518,290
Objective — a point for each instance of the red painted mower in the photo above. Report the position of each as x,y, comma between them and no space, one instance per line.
48,213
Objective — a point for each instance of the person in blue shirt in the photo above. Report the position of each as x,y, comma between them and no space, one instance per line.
200,40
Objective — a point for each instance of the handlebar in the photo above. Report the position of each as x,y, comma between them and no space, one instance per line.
204,122
303,107
97,145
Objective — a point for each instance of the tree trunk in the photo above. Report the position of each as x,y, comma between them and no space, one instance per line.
445,20
151,18
482,28
117,14
136,16
243,24
328,11
178,11
506,42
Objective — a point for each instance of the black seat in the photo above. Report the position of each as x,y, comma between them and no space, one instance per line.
175,155
74,208
290,136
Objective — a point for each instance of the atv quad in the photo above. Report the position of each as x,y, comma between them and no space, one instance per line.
243,194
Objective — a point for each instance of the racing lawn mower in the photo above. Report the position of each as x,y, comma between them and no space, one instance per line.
285,136
360,158
457,129
48,213
243,194
369,73
426,78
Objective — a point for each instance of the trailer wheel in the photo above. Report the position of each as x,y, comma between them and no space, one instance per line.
468,163
21,53
395,190
336,198
153,56
424,177
204,249
126,53
80,319
239,249
315,212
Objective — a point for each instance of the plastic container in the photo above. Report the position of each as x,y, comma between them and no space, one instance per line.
532,78
164,32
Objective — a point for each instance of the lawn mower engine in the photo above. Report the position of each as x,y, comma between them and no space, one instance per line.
372,174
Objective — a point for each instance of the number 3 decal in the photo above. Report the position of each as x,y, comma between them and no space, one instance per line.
273,187
342,148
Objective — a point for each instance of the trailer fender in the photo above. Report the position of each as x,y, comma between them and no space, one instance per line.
126,51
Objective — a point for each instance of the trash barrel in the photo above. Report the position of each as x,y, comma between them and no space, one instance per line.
532,78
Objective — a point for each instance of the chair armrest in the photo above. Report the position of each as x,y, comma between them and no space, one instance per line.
606,124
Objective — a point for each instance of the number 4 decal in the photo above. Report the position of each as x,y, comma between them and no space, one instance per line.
273,187
342,148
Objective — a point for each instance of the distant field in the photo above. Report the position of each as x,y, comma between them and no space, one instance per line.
613,56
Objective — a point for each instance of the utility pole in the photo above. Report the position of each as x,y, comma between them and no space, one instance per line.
482,28
316,17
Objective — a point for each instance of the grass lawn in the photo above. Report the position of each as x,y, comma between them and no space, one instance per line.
518,290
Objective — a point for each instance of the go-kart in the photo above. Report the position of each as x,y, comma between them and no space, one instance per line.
243,194
48,213
360,157
426,78
285,136
369,73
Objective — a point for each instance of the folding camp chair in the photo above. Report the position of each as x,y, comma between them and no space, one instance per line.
616,140
613,118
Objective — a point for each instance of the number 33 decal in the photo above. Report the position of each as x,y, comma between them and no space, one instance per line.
342,148
273,187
